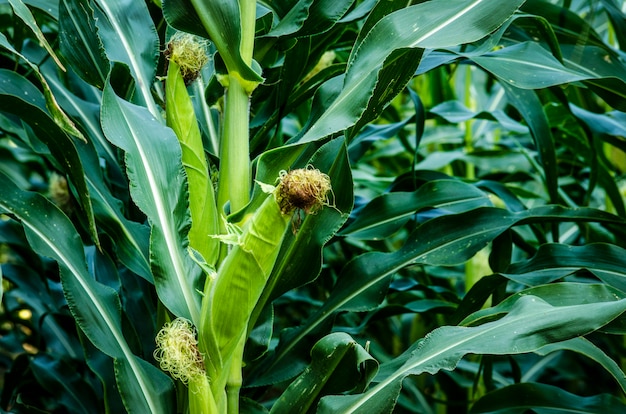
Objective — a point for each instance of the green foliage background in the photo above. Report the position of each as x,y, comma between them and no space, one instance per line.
473,257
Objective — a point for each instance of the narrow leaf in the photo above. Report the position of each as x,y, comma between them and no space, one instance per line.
587,348
531,324
80,43
443,241
129,36
57,114
540,397
159,188
21,11
339,364
553,261
21,98
387,213
94,306
433,24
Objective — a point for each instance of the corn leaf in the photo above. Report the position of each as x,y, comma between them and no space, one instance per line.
545,398
95,307
182,119
23,99
443,241
220,21
530,324
60,118
79,41
339,364
159,188
21,11
434,24
129,36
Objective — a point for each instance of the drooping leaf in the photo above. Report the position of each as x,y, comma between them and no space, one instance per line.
517,398
387,213
20,10
58,115
159,188
433,24
531,324
554,261
561,294
339,364
309,17
79,42
21,98
95,307
590,350
443,241
529,106
129,36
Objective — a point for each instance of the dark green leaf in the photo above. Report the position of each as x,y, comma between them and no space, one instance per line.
541,397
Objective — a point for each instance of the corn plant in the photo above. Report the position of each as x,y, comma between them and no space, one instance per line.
346,206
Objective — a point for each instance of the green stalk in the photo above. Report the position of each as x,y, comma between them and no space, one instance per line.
234,176
234,182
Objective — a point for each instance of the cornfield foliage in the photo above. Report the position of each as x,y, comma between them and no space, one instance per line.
457,240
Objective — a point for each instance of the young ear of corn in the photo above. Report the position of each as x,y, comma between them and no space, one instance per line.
231,297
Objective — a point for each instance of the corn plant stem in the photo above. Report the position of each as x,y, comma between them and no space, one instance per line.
235,378
247,9
234,176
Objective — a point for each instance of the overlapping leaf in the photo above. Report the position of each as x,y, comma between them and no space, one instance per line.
434,24
159,188
531,324
96,307
443,241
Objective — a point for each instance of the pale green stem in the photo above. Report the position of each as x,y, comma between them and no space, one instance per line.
235,378
247,9
234,179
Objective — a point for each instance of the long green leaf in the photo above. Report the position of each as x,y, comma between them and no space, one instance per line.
531,324
433,24
443,241
22,99
339,364
80,43
308,17
387,213
529,106
545,398
60,118
129,36
95,307
553,261
159,188
21,11
558,294
590,350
